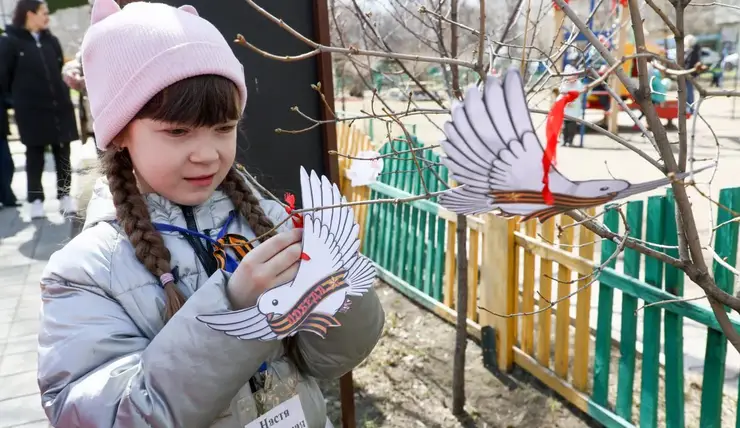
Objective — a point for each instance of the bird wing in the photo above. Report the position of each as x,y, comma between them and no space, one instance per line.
330,236
245,324
491,144
360,275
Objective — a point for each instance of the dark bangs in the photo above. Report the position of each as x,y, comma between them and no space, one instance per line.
197,101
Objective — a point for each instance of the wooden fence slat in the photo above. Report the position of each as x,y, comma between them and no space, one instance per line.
429,249
602,353
363,192
725,245
498,290
432,249
412,181
342,147
450,266
562,310
441,228
397,181
673,330
473,269
545,317
651,320
372,228
417,248
528,292
628,340
398,255
583,312
393,210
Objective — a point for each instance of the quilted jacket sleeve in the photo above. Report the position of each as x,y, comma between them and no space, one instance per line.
96,369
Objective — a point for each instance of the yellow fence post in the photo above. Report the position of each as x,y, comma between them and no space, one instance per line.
498,285
614,83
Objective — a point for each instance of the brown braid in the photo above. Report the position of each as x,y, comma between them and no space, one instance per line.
247,204
133,216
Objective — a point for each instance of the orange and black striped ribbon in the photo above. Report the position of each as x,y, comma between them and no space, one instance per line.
302,310
238,244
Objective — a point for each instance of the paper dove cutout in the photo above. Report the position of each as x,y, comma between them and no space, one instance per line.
365,171
333,270
493,152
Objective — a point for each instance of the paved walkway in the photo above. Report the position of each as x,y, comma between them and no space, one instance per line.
25,247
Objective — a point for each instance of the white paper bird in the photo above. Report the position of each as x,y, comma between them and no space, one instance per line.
493,152
333,270
365,168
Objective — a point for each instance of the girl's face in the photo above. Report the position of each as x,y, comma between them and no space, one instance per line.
181,163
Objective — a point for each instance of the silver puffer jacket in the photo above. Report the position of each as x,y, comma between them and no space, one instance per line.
106,358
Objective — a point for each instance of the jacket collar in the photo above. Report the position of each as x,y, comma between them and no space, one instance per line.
22,33
211,214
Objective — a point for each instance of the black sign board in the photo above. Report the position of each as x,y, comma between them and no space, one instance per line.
275,86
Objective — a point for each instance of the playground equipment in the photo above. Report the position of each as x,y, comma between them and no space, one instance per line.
666,110
599,98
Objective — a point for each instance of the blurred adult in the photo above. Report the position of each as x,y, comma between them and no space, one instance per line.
692,59
31,60
74,77
7,167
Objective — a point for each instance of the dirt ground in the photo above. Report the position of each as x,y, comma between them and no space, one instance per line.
406,381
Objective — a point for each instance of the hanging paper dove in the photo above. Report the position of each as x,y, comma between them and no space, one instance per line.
333,270
493,152
365,168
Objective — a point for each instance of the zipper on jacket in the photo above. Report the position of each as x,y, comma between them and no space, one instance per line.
48,80
207,260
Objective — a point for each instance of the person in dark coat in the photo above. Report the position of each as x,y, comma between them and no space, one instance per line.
7,167
692,59
31,61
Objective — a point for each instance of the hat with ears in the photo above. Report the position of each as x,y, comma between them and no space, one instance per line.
131,54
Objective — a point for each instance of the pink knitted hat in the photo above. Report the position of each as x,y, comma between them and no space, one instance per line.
131,54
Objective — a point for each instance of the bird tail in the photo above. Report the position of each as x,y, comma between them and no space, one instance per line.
360,275
461,201
651,185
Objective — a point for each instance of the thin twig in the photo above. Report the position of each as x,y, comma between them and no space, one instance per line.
664,302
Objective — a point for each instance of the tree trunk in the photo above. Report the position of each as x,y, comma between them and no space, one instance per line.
461,332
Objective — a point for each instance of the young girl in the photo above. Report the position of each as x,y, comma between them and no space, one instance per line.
119,343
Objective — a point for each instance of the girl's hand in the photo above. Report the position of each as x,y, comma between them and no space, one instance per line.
271,263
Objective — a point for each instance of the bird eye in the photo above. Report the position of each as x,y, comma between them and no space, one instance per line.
274,302
605,188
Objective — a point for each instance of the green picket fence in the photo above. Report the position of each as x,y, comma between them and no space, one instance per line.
661,282
408,240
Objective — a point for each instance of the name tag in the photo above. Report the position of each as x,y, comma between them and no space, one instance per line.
288,414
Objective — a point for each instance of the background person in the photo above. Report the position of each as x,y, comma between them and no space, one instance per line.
31,60
7,167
